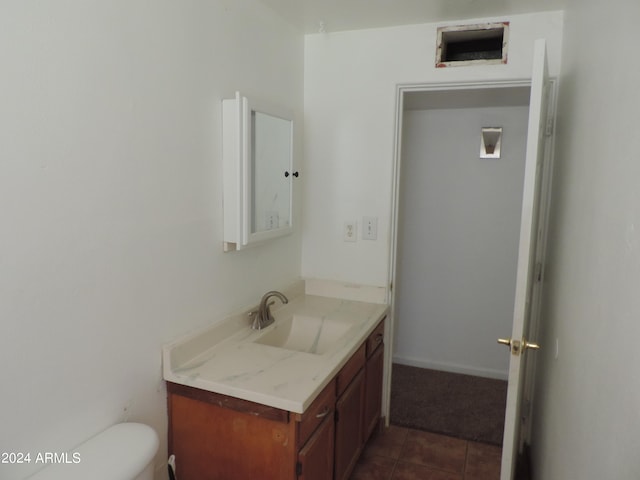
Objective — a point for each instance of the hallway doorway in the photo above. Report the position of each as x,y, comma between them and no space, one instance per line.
457,249
526,279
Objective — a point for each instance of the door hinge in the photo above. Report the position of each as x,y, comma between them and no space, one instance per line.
298,469
526,409
538,272
548,129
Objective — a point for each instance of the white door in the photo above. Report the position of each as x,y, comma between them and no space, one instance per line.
518,344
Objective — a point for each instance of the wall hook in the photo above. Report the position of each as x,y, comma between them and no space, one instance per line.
491,139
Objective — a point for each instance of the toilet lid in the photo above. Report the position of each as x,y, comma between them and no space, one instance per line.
120,452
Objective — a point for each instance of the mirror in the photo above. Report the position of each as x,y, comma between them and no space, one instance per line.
258,159
270,163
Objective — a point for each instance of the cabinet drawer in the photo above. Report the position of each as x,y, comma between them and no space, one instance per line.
376,338
323,406
351,369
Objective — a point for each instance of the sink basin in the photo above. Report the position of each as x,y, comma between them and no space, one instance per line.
305,334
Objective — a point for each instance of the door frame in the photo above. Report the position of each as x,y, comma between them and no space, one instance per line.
543,212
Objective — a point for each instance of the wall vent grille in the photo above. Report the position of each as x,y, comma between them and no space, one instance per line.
477,44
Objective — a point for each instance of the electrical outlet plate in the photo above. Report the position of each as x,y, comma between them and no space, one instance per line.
350,231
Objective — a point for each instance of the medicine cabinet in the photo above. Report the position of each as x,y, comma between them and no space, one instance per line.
258,172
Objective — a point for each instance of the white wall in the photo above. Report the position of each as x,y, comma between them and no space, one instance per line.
587,414
458,239
111,201
350,82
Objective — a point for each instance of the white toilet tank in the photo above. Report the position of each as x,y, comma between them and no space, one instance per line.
122,452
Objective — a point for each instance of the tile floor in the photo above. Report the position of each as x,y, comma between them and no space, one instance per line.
399,453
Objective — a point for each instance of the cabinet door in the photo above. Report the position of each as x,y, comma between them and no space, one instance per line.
315,459
349,427
373,391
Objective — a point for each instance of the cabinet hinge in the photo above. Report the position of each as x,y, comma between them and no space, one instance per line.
298,468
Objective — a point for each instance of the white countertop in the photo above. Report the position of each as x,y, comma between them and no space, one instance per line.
225,359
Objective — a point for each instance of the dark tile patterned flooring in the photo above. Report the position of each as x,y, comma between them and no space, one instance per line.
398,453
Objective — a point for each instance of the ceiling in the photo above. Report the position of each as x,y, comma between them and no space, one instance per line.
319,16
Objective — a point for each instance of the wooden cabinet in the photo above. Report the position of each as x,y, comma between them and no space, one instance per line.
373,381
215,436
321,408
315,459
349,414
218,437
348,445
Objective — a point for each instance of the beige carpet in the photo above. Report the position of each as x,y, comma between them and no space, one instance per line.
452,404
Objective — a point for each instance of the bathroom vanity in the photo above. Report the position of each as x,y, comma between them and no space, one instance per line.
297,400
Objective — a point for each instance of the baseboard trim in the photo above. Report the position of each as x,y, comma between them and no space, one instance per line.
451,367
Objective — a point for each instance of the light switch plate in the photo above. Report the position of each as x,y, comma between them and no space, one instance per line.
369,228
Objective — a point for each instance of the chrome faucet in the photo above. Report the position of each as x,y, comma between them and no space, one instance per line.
263,317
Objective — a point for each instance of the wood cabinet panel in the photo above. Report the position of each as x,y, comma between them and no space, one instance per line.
375,339
373,391
321,408
349,433
351,369
315,460
212,442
